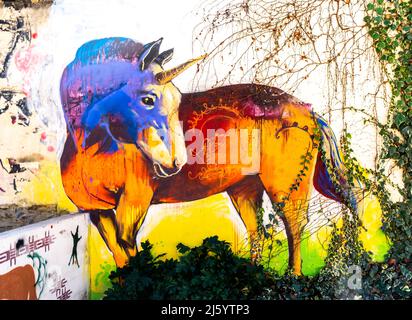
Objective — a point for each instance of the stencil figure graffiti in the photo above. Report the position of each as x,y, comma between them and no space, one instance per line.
76,239
125,148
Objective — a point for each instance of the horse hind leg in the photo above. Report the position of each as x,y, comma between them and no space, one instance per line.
295,219
293,213
246,196
288,182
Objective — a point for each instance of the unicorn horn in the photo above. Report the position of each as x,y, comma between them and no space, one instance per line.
168,75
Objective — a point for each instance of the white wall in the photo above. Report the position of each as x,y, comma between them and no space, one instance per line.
51,242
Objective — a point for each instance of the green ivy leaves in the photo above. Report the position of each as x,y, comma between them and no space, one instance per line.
209,271
389,24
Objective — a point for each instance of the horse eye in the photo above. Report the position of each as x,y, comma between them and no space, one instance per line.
149,101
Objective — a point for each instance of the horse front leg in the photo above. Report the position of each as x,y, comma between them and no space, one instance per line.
130,213
105,222
119,227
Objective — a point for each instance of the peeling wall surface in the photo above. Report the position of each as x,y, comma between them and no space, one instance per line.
87,111
46,261
28,172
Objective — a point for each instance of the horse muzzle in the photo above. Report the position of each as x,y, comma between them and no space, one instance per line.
165,172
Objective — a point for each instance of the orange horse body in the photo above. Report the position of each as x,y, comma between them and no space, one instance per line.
118,187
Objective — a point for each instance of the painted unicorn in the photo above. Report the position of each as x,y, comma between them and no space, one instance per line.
126,148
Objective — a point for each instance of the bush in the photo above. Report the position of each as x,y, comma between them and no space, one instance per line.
292,287
209,271
213,271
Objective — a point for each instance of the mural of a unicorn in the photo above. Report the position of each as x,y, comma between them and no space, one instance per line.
126,149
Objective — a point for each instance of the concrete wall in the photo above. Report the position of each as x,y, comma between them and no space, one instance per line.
48,260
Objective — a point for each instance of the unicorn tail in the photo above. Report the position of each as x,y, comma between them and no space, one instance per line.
330,177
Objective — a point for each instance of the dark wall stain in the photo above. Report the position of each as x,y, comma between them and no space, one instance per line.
19,243
19,33
8,98
21,4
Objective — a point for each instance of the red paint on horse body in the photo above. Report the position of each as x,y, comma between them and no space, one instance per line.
251,100
241,106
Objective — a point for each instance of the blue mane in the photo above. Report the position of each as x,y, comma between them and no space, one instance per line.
99,84
109,49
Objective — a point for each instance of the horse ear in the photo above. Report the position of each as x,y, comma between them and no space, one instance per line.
164,57
149,53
